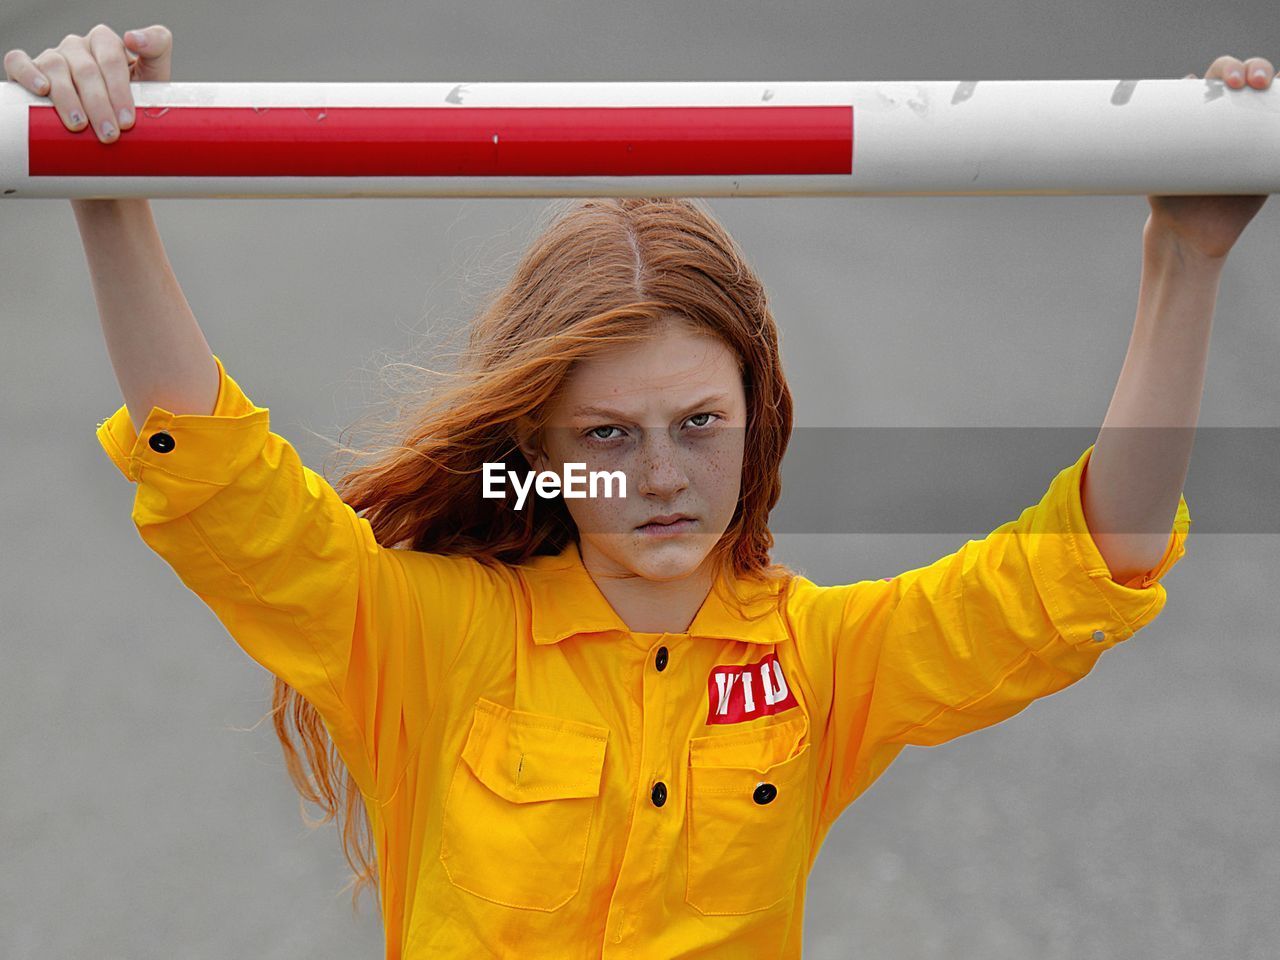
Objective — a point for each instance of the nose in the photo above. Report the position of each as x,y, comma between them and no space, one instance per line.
662,473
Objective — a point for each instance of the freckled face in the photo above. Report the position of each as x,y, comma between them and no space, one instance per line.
670,414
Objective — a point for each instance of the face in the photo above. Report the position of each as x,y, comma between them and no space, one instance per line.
670,414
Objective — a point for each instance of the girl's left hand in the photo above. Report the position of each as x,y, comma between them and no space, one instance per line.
1209,225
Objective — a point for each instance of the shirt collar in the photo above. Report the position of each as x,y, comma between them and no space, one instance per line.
566,601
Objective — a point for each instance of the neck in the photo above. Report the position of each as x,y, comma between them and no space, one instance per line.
649,606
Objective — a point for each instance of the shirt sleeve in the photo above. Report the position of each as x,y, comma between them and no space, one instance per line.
364,633
973,638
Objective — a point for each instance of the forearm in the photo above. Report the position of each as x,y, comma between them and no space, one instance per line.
1135,477
156,346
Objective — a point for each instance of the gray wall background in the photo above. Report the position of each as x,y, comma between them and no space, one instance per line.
1131,815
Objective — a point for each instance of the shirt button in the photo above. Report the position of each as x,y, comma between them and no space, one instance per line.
1098,636
765,792
161,442
659,795
660,661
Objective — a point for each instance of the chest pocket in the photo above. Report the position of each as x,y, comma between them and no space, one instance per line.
520,806
749,802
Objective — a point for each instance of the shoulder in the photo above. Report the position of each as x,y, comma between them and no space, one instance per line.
816,604
456,576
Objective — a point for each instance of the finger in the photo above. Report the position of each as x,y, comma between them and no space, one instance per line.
62,89
108,50
20,68
92,89
1259,71
131,44
1227,68
154,45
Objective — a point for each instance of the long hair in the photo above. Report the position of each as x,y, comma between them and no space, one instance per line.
604,271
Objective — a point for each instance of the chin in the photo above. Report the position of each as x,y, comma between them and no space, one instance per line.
670,559
654,558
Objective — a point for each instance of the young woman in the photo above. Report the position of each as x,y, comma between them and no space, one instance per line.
610,725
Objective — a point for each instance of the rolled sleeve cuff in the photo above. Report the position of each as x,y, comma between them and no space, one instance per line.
180,460
1091,610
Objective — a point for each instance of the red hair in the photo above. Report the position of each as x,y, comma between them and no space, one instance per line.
604,271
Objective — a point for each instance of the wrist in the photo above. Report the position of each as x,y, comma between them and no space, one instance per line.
110,216
109,207
1162,246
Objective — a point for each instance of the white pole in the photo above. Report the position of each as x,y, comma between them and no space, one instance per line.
674,138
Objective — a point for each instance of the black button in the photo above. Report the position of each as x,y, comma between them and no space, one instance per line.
764,793
660,661
161,442
659,795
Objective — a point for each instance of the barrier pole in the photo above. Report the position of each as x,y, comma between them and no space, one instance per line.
673,138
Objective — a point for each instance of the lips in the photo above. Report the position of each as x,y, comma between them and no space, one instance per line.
666,519
662,528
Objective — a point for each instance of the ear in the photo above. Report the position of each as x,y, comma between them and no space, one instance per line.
529,440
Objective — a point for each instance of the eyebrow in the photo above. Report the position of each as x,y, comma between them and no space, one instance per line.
716,398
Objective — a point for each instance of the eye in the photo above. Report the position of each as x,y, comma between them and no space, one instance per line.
594,437
591,434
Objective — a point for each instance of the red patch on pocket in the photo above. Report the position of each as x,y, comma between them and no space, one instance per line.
741,692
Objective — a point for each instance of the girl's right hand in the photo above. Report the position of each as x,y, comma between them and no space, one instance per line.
89,76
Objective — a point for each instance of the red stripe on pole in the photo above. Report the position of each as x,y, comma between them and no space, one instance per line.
452,142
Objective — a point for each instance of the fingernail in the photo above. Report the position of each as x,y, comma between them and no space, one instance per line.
126,116
76,118
138,38
108,130
1235,76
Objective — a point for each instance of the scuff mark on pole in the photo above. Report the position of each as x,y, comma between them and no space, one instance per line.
1123,91
915,97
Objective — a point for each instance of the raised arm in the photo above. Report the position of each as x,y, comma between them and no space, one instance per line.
971,639
157,349
1143,450
158,352
364,633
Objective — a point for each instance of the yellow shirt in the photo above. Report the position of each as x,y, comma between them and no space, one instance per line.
543,781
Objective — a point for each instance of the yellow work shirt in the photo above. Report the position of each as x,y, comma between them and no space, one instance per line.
543,781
